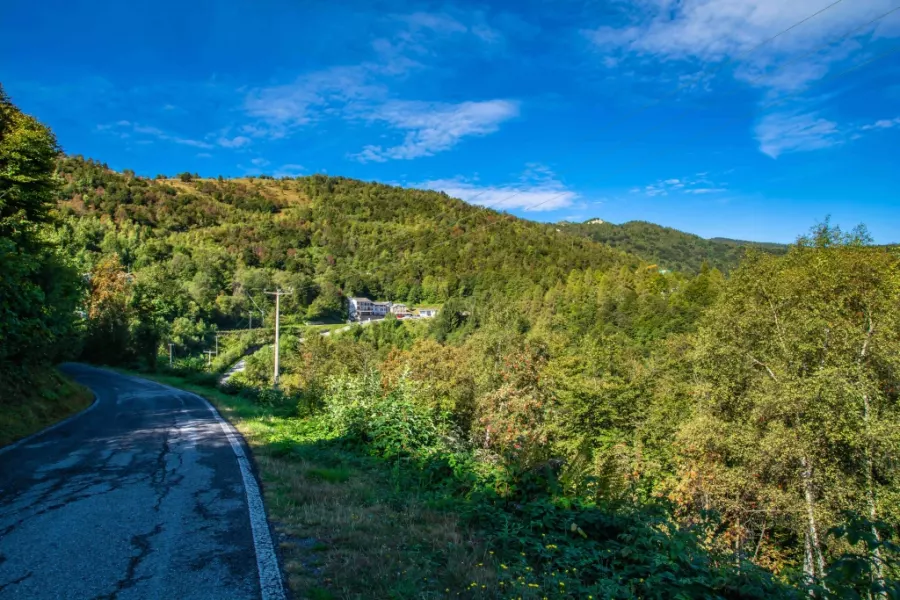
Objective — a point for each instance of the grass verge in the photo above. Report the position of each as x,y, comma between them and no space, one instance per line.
37,400
345,524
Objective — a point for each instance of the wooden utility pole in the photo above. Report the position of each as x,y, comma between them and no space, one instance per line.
278,294
170,353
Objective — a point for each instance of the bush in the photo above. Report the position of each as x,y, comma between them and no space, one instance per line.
393,423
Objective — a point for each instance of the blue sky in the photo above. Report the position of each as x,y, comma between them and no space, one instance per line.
667,111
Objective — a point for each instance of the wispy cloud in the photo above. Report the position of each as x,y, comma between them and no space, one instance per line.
289,170
127,129
699,183
236,142
537,191
313,96
781,133
710,31
435,127
361,93
882,124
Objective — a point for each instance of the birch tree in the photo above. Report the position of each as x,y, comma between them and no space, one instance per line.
796,416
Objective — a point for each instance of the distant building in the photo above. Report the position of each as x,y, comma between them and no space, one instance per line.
363,309
401,310
427,313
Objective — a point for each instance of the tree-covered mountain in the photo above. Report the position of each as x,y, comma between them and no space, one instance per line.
669,248
327,237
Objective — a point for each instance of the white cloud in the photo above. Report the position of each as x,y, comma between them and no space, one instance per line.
695,184
435,127
780,133
422,26
361,91
709,31
289,170
236,142
538,191
259,162
705,190
882,124
439,22
284,107
125,129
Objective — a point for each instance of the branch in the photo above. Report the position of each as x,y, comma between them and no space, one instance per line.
766,367
865,348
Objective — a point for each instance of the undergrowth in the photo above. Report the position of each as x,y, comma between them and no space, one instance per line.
375,498
32,399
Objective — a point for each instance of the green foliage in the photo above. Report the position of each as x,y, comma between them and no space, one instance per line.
39,289
392,423
670,248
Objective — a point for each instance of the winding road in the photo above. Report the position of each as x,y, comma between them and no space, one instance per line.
147,494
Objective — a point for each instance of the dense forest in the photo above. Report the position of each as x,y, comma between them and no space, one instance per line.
670,248
618,429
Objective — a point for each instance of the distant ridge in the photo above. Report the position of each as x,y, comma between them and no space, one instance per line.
668,247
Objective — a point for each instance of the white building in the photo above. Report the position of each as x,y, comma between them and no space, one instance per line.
400,309
427,313
363,309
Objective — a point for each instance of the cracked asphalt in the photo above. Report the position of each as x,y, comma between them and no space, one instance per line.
141,497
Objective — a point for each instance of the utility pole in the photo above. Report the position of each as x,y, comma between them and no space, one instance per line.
278,294
170,353
217,344
209,354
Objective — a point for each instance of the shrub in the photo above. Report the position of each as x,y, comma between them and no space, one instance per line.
392,423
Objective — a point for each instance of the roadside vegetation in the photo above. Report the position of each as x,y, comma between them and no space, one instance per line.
40,290
33,408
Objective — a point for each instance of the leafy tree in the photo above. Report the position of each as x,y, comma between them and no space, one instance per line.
39,290
797,398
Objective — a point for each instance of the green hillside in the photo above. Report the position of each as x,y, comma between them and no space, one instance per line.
327,237
670,248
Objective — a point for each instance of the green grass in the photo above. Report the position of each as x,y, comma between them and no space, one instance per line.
39,399
339,475
345,526
326,327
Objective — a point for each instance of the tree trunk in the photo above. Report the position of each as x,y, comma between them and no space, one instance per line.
808,571
814,548
877,566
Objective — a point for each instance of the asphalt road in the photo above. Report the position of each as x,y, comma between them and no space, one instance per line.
146,495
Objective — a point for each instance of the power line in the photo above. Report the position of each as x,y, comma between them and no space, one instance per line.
720,66
278,294
781,66
760,77
717,69
765,106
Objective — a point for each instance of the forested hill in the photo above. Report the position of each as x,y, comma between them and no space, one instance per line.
670,248
327,237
